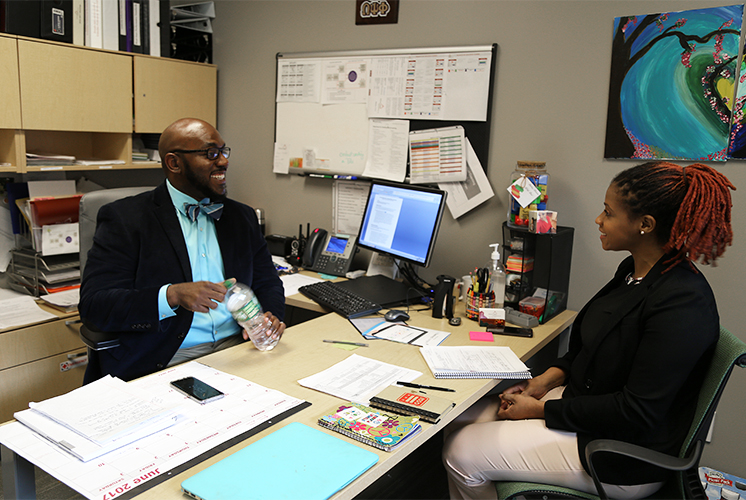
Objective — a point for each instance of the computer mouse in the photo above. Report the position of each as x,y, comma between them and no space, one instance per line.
396,315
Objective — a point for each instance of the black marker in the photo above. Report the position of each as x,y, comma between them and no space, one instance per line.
418,386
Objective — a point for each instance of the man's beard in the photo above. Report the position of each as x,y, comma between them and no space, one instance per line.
203,187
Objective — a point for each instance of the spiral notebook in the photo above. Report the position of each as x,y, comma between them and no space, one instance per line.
382,429
474,362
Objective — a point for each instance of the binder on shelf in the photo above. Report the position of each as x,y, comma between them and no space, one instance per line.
137,26
164,27
21,18
110,24
79,22
93,21
56,18
125,25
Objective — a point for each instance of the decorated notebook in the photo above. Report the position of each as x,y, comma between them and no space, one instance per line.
379,428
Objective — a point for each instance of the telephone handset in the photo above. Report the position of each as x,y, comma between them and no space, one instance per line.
329,253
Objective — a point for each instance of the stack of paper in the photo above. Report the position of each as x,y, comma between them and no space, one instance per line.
97,418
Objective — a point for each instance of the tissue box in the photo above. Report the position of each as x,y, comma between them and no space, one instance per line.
542,221
492,317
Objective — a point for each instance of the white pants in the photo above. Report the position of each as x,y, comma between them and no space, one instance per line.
479,450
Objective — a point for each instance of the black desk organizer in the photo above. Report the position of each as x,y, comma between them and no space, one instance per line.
552,254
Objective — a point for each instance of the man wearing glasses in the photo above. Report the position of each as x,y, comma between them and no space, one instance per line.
154,274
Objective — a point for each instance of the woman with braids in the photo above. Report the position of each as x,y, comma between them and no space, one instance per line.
637,353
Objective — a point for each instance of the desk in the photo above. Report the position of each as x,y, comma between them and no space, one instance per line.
302,352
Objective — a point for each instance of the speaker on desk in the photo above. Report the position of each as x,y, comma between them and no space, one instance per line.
443,300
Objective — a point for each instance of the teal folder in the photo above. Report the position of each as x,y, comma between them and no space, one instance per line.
293,462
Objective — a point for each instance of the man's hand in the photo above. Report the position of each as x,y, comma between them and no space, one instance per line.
199,296
275,331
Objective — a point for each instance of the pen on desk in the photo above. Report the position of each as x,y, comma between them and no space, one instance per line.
320,176
346,177
418,386
346,343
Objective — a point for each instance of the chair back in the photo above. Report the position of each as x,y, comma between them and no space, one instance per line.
729,352
90,204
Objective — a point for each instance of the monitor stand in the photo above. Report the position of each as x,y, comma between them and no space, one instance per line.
382,290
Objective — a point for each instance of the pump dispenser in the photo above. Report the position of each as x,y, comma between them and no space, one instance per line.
497,277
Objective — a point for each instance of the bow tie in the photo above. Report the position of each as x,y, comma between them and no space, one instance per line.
214,210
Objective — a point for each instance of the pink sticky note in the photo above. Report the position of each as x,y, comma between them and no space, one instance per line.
481,336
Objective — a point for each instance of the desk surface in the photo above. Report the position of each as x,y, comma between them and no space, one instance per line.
302,353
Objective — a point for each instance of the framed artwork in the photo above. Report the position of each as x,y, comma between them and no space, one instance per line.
672,92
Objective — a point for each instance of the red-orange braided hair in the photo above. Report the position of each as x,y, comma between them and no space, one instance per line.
691,206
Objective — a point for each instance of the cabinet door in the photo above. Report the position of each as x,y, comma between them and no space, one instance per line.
166,90
74,89
10,104
40,380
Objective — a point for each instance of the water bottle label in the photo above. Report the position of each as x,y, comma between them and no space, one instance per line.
248,311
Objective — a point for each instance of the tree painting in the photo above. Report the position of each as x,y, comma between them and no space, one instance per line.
672,87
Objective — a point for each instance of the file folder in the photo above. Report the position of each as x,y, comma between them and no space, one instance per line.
295,461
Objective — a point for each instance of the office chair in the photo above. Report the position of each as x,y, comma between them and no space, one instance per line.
90,204
684,482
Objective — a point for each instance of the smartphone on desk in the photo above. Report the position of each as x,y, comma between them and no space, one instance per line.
197,390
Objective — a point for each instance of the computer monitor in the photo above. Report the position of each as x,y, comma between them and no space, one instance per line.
402,221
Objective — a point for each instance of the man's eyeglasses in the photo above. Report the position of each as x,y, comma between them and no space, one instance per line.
211,153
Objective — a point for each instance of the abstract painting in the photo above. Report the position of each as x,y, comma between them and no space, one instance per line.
673,84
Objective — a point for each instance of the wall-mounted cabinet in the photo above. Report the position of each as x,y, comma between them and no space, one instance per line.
70,100
167,89
10,104
68,88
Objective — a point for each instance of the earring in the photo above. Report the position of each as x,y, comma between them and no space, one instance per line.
642,232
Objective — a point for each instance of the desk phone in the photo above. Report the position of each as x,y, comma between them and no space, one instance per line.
329,253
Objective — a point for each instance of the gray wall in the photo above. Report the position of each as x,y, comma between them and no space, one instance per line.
550,105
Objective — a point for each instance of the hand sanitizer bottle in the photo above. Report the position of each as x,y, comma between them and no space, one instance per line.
497,277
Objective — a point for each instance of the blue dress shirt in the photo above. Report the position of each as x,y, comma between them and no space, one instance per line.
207,265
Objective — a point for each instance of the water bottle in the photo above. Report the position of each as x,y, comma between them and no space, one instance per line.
247,311
497,277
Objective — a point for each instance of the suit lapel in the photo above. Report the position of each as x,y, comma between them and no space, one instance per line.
223,229
630,301
166,215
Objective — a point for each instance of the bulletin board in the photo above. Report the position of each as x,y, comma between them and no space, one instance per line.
325,101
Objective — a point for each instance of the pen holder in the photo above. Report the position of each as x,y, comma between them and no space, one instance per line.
476,301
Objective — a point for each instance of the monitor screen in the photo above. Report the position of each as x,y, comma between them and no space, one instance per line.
402,220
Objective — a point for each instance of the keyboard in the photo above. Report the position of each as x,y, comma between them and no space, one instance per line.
339,300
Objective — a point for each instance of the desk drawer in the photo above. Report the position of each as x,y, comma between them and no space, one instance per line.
38,341
38,381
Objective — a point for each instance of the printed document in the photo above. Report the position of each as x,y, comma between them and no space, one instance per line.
358,379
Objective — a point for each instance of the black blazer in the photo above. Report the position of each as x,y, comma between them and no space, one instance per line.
634,375
137,248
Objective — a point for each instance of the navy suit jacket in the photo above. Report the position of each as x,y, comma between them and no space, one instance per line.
634,376
137,248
